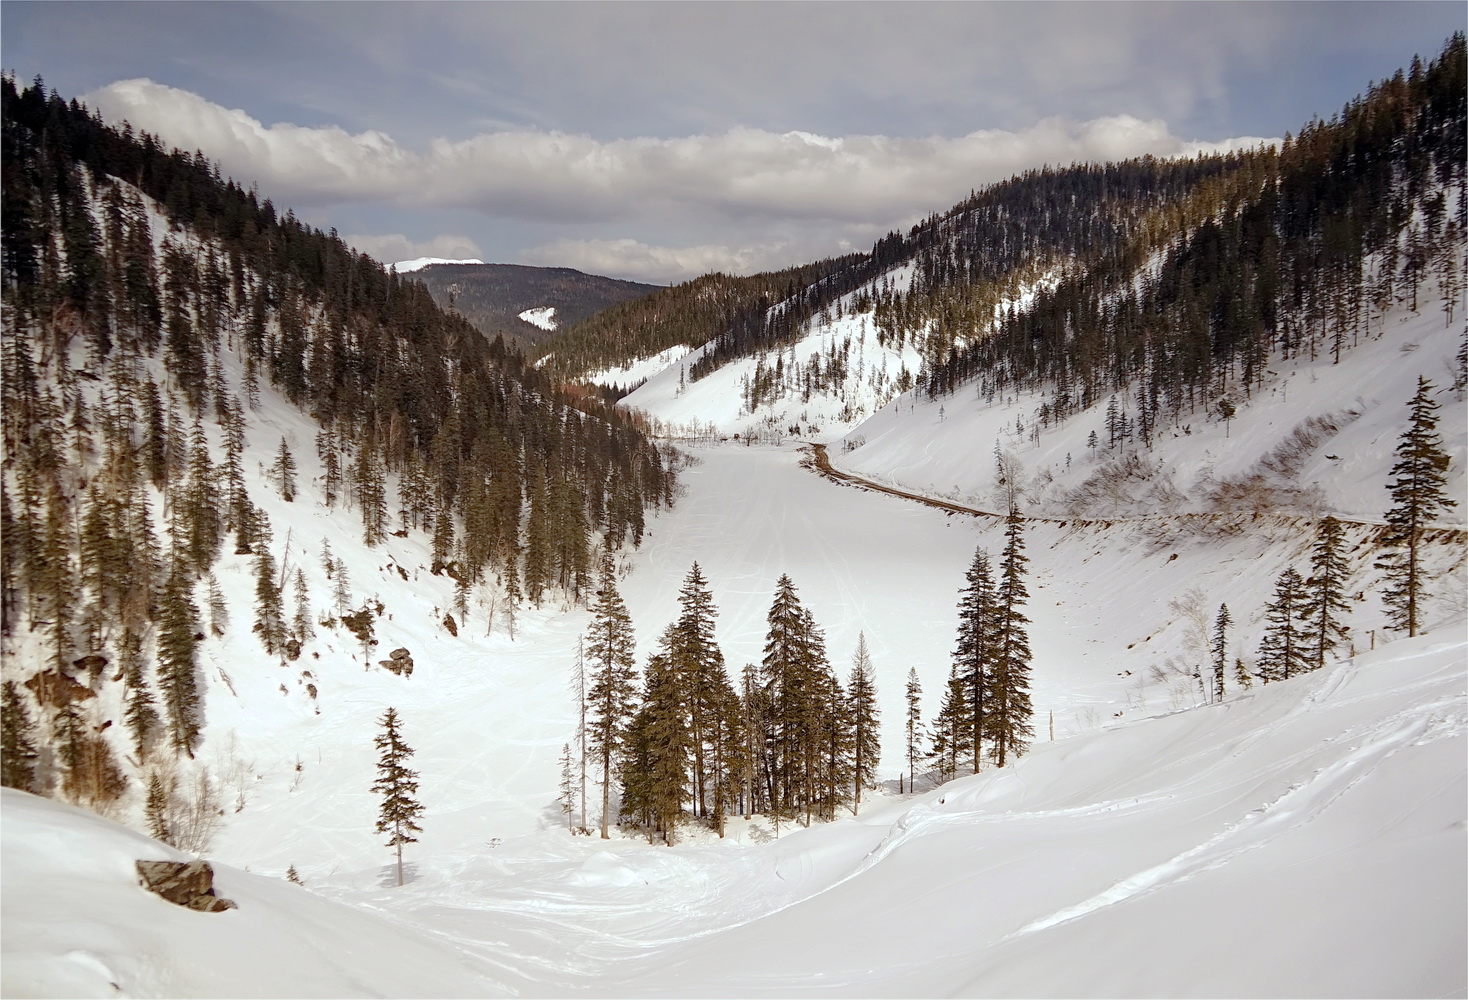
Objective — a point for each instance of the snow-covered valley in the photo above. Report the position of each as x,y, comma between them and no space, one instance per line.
1315,826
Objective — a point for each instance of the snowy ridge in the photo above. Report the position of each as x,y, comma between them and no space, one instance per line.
418,263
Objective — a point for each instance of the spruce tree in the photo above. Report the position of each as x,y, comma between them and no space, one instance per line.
952,735
1009,730
914,730
156,809
399,812
1325,593
698,669
974,652
1284,648
609,653
178,622
1218,648
17,741
283,472
138,713
865,716
1419,494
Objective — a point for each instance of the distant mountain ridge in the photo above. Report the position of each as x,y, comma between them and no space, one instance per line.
492,296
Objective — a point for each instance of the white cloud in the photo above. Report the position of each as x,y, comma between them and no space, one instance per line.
741,173
393,247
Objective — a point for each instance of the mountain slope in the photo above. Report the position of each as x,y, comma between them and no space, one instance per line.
495,297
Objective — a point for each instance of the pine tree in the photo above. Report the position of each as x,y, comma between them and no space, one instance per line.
698,670
1419,492
1218,648
178,622
609,652
914,732
1283,650
17,742
397,785
656,751
952,735
283,472
1010,730
865,716
156,809
301,626
270,623
1325,593
138,713
974,652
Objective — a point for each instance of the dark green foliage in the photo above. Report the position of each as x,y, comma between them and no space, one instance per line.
1218,649
1325,592
952,732
17,742
283,471
611,696
974,653
1008,725
178,683
397,784
1284,649
1419,494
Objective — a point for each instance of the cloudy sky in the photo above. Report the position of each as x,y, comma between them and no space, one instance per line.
657,141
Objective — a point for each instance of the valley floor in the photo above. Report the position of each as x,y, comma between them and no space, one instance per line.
1307,838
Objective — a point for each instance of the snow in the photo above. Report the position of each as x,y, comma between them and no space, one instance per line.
1305,838
541,316
418,263
640,370
944,447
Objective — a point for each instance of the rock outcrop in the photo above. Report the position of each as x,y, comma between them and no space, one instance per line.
189,884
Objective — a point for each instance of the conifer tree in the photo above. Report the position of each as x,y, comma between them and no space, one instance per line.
283,471
567,797
17,742
178,621
1010,730
656,751
399,812
1325,593
1283,650
974,652
698,670
138,713
914,731
609,653
156,809
1419,493
1218,648
270,623
301,626
952,735
865,716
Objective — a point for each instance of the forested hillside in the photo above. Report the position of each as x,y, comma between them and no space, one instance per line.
687,314
493,297
1169,285
159,322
